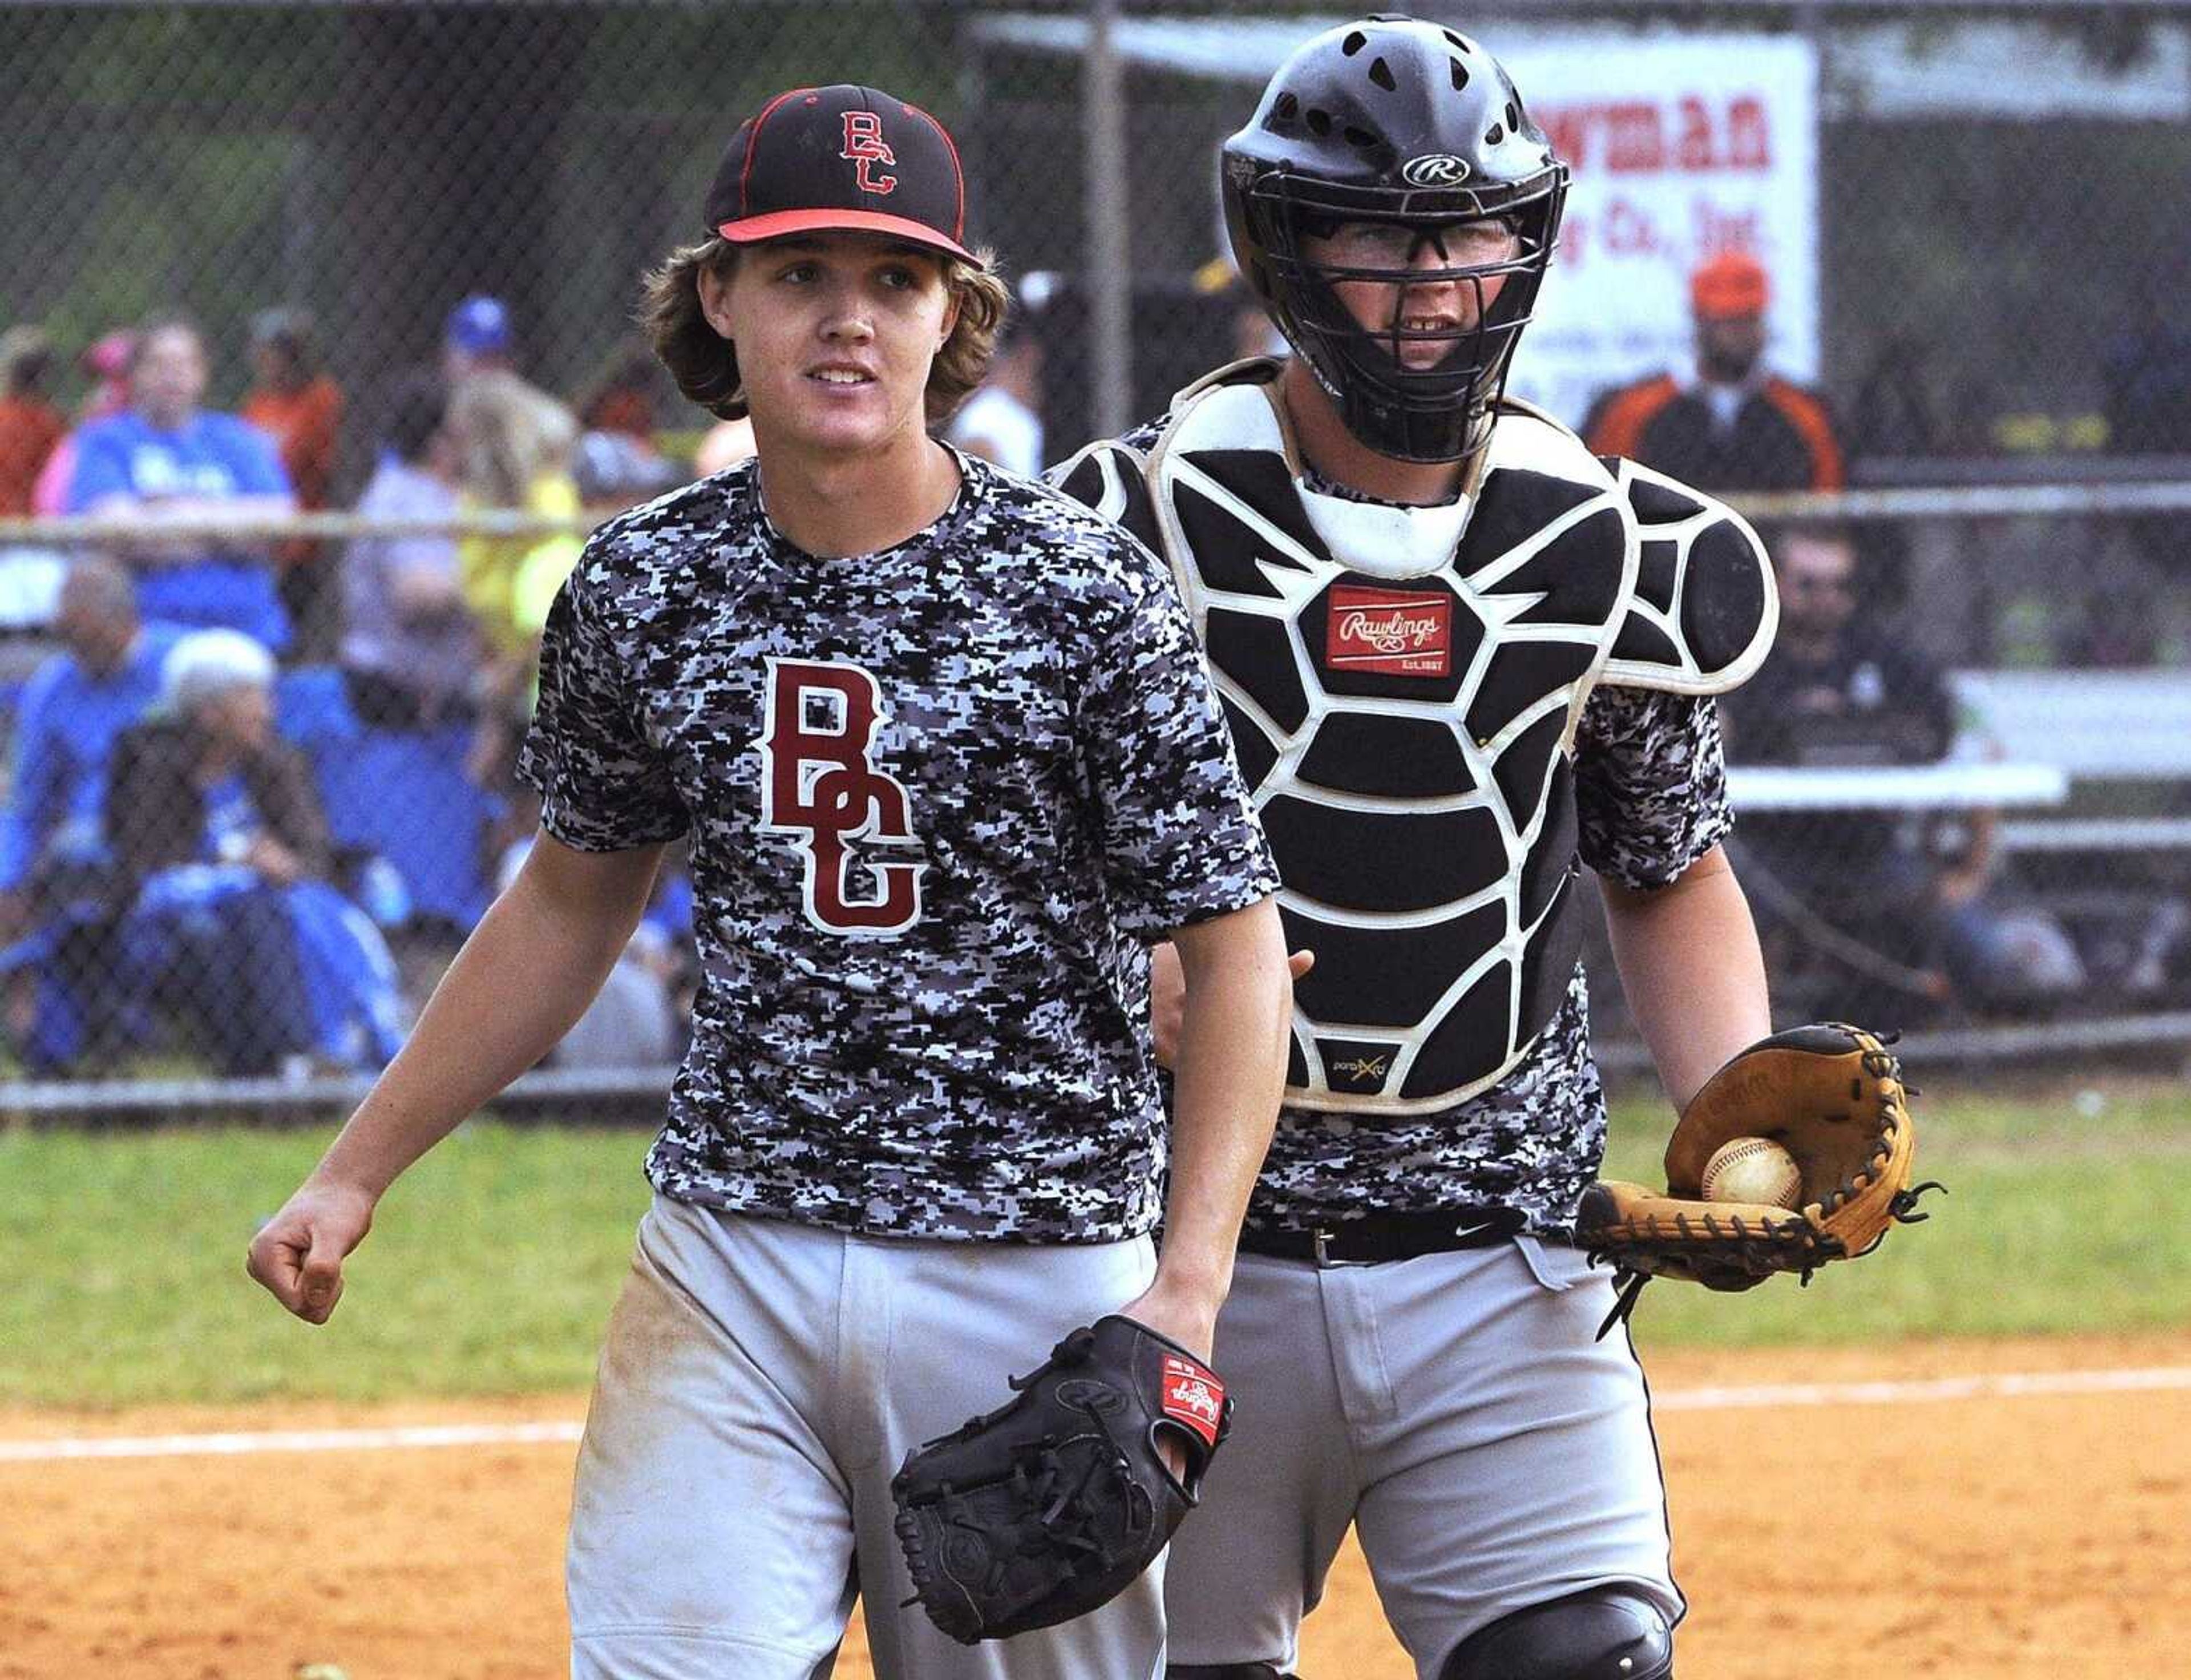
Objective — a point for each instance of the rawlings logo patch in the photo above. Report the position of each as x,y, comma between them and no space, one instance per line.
1193,1395
1434,168
1390,630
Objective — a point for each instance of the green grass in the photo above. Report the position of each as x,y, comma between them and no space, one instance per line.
490,1268
493,1266
2061,1215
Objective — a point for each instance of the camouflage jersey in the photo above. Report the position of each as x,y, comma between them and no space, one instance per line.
1650,799
939,798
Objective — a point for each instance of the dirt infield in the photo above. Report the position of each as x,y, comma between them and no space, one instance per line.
1929,1532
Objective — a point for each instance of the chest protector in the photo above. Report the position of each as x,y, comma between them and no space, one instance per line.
1403,686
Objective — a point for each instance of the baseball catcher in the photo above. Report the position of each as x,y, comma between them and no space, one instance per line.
1465,662
1048,1507
1832,1096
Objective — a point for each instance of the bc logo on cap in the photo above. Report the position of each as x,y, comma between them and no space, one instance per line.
864,145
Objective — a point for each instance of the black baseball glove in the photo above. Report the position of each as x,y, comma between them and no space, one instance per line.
1052,1504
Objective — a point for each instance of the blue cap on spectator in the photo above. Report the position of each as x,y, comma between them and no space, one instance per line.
480,326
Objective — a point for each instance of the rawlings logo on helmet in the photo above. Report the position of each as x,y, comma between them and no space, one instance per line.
1434,168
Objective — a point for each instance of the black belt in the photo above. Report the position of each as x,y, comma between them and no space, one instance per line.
1387,1235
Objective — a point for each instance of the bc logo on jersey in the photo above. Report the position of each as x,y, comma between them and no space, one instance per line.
820,784
864,145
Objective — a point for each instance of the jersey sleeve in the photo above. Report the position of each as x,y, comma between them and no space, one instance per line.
1180,841
1650,784
603,785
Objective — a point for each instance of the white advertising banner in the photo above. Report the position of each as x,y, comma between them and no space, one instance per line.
1681,148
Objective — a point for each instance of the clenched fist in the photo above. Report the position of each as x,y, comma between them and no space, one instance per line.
299,1253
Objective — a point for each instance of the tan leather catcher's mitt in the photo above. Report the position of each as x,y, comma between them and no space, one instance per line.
1830,1095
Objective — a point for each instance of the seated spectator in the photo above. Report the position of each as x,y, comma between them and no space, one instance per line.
410,649
623,400
30,427
516,454
295,402
1729,421
481,342
106,678
476,339
1002,422
1840,690
2146,364
30,430
230,921
164,459
55,870
104,363
612,475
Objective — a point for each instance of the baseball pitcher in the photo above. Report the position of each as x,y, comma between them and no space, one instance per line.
947,764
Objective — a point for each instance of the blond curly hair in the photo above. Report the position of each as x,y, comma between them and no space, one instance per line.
705,365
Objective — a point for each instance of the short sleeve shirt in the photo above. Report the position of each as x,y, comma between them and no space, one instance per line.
211,456
939,800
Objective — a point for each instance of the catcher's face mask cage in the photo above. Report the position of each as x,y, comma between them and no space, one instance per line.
1415,127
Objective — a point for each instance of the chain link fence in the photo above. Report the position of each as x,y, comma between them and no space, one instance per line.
1965,216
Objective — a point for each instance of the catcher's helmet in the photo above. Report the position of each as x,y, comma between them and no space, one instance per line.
1393,120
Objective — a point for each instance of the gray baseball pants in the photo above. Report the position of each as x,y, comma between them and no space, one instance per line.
760,1383
1458,1411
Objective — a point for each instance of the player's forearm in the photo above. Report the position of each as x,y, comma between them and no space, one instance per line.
1230,1079
526,974
1691,968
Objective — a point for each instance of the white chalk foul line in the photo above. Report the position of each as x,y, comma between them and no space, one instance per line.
1760,1397
2004,1386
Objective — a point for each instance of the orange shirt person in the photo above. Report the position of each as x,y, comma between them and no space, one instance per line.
30,427
297,405
1728,422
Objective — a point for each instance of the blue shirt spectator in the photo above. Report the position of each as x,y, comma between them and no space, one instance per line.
166,457
231,919
74,707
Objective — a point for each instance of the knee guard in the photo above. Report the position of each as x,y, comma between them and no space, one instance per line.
1223,1671
1603,1634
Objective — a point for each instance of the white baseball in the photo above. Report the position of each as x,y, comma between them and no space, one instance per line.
1753,1170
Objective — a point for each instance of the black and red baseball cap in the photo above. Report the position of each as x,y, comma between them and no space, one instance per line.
843,158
